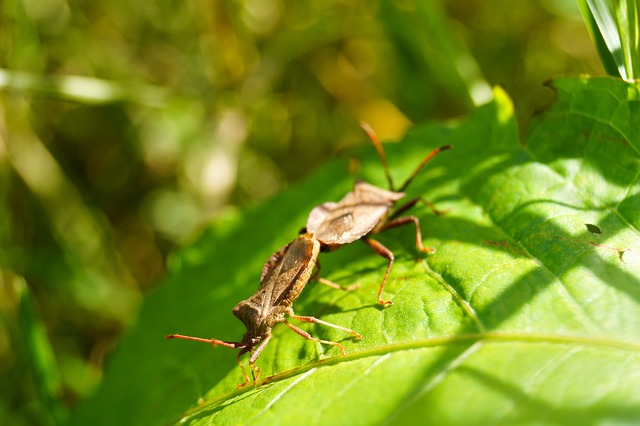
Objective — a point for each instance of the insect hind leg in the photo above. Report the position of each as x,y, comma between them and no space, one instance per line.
381,250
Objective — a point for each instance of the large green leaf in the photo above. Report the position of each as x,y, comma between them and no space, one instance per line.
524,315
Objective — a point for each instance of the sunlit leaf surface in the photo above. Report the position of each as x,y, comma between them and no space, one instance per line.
521,316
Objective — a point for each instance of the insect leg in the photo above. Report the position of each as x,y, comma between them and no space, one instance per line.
404,207
306,335
255,371
433,208
405,220
315,339
244,373
412,202
337,286
387,254
331,283
319,321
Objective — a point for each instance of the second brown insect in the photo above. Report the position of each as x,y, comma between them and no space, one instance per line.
366,211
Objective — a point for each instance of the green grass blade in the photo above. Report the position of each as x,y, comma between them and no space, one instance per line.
598,17
626,13
613,25
44,368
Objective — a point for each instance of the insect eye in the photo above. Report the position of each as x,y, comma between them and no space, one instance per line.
302,231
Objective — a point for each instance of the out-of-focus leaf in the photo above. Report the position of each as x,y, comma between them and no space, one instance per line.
426,45
521,316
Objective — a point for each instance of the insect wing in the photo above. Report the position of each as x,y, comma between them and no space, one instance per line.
288,275
272,264
352,217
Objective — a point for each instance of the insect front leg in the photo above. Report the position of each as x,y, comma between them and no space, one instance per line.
244,373
255,371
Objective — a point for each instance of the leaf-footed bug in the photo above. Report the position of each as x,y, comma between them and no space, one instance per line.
366,211
362,212
283,278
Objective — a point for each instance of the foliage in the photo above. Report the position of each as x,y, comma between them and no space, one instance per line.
125,127
521,316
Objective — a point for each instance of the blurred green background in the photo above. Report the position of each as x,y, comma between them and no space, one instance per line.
125,127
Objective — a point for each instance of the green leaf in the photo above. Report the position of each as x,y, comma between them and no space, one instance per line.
521,316
426,45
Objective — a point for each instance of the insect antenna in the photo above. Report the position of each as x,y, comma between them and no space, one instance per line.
424,161
213,342
383,157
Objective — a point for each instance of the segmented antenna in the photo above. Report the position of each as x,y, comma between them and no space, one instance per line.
424,161
383,157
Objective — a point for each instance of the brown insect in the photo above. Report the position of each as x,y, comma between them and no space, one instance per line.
283,278
366,211
362,212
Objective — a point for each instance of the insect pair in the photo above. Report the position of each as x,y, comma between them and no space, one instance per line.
362,213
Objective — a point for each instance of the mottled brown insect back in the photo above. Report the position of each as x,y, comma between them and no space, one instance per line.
367,210
283,278
357,214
